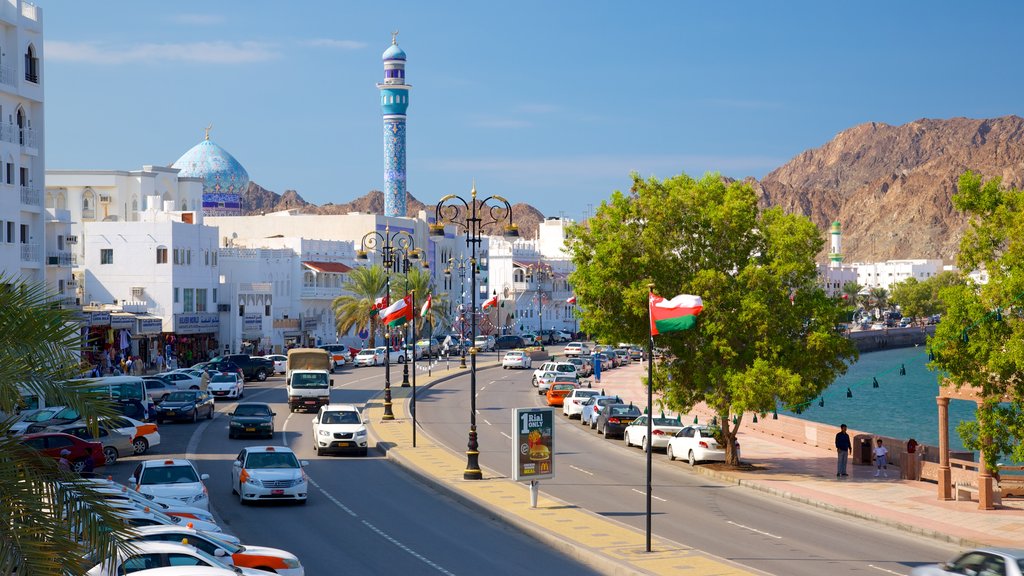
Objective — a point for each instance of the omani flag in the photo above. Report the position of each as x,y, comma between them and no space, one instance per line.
398,313
679,313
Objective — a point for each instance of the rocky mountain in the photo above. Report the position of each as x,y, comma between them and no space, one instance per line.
259,200
891,187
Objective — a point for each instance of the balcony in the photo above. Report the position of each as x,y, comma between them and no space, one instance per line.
68,302
31,253
31,196
27,138
8,75
59,259
320,292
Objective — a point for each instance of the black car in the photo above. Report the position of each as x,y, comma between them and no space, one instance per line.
255,418
185,405
508,342
226,366
614,419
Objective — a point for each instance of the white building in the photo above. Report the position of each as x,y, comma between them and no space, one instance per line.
22,158
885,274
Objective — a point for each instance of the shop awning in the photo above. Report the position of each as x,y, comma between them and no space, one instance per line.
336,267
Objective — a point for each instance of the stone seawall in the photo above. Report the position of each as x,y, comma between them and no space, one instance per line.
884,338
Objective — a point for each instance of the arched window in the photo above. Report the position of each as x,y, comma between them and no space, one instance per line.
133,216
88,204
22,124
31,65
518,276
50,200
62,201
184,206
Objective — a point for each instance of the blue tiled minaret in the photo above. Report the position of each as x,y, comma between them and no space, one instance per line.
394,99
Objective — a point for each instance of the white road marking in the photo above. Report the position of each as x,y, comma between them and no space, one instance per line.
652,495
886,570
581,470
415,554
486,422
506,435
754,530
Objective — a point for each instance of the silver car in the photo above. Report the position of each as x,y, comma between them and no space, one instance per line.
982,562
115,444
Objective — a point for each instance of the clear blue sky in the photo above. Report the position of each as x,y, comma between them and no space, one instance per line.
550,103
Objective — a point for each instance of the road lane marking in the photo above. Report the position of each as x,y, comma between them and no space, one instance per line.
415,554
645,494
581,470
486,422
886,570
506,435
754,530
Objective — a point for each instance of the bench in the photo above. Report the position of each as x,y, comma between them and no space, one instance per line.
969,492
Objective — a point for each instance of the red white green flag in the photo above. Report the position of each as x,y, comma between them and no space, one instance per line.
398,313
492,301
679,313
571,299
426,307
380,303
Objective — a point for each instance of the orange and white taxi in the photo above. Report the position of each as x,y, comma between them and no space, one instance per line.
144,435
269,473
258,557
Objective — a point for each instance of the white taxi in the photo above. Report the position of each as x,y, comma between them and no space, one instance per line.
144,435
572,405
268,473
148,555
133,515
120,493
258,557
171,478
339,428
226,385
516,359
662,430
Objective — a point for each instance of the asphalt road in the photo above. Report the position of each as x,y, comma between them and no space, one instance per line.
364,515
603,476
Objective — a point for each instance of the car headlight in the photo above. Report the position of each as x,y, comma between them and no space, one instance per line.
188,408
265,424
234,424
198,497
254,481
291,563
323,433
361,432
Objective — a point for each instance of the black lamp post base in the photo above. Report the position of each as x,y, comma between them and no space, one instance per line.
405,375
388,414
473,471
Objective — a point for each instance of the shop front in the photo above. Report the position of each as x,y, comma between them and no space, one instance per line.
194,338
252,334
99,339
147,330
290,330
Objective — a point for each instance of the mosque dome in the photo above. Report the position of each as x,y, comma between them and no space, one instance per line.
224,179
393,53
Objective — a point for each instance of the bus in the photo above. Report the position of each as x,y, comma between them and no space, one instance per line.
128,391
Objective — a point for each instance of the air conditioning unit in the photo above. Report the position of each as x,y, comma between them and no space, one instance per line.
137,292
71,240
223,307
105,198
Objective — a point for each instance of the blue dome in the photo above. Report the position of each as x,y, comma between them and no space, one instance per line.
393,53
224,179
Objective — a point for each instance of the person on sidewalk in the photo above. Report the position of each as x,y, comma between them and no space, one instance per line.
843,449
881,455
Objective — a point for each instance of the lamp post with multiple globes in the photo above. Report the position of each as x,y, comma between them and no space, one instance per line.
462,264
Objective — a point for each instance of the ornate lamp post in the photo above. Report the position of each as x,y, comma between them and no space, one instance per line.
540,273
390,244
462,264
403,261
474,217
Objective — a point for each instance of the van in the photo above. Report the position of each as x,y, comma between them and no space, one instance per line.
129,392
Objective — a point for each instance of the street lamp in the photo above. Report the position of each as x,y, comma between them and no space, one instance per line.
403,261
540,272
473,217
389,244
461,264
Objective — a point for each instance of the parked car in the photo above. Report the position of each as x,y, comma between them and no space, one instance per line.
185,405
636,353
268,473
553,366
144,434
183,378
558,391
259,557
697,443
340,355
115,444
584,367
224,366
614,418
339,428
158,388
30,417
508,342
981,562
116,492
53,443
431,343
484,342
253,367
516,359
370,357
623,356
280,362
572,406
64,415
576,349
592,409
419,352
544,381
228,385
252,418
662,430
606,361
175,478
144,556
530,339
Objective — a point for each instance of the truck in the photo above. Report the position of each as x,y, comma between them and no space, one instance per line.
308,379
253,367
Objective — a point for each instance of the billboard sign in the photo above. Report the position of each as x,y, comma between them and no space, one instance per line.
533,433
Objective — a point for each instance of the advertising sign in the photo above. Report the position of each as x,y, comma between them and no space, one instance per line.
196,323
533,433
252,322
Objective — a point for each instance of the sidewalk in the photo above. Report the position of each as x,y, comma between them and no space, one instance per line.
806,474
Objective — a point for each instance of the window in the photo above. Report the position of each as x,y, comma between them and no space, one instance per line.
189,300
188,254
176,300
31,65
215,294
214,258
106,255
10,232
10,174
161,255
200,299
23,176
60,242
24,233
206,257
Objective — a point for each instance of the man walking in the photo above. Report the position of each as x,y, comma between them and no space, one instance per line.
843,448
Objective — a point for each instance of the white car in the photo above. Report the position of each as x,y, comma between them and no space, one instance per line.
572,405
280,362
551,366
144,435
981,561
484,343
171,478
516,359
662,430
339,428
592,409
576,349
258,557
183,378
147,555
268,473
110,490
697,443
30,417
226,386
133,515
370,357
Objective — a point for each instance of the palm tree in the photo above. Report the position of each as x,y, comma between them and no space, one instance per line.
880,298
49,518
364,286
851,290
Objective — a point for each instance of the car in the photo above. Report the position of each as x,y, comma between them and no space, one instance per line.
339,428
552,366
484,342
227,385
133,515
572,405
420,351
280,362
185,405
175,478
258,557
662,429
576,349
115,492
583,366
623,355
544,381
558,391
697,443
144,556
508,342
184,378
254,418
339,355
158,388
562,336
144,434
516,359
429,343
613,419
225,366
592,409
64,415
606,361
636,353
53,443
981,561
370,357
530,339
115,444
268,473
30,417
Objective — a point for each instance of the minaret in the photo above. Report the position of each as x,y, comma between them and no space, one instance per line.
835,255
394,99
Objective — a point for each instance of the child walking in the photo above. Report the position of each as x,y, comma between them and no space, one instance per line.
881,455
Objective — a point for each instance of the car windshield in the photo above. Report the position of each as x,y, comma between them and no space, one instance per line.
563,387
223,378
623,410
41,416
180,474
340,417
181,396
367,352
271,460
667,422
252,410
309,380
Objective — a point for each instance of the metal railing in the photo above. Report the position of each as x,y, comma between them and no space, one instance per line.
58,259
30,252
31,196
320,292
8,75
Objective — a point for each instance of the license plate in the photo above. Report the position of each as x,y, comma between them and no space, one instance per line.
250,429
340,444
277,492
170,412
310,401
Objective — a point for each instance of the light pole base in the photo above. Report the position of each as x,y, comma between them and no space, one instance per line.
388,413
473,471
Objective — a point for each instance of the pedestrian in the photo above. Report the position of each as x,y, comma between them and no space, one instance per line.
63,464
88,467
881,456
128,363
204,381
844,448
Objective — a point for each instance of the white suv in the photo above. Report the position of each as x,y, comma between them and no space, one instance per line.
339,428
560,367
268,473
576,349
171,478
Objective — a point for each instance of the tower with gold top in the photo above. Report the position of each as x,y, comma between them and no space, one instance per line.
394,100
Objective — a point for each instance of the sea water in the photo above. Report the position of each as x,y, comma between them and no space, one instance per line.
901,406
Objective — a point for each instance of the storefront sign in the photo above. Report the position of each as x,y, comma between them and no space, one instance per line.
122,321
151,325
534,446
196,323
252,322
308,324
99,319
286,324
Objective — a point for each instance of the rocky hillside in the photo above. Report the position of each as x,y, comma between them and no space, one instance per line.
257,200
891,186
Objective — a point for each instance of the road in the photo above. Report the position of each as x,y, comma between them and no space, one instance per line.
364,515
603,476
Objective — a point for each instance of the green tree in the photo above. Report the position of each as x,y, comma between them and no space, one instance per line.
978,342
879,298
766,334
354,309
914,298
48,518
852,290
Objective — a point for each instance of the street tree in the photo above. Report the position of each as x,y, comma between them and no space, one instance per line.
980,341
767,333
852,290
879,298
49,518
920,299
421,281
354,309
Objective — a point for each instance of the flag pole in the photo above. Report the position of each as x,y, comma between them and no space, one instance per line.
650,408
413,352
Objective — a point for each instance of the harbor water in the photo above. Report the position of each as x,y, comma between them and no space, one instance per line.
902,406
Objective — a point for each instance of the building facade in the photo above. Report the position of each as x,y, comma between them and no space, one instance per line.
885,274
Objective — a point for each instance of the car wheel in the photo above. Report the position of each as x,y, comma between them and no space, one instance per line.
319,452
109,455
691,459
643,445
593,424
195,416
625,439
193,387
209,414
364,451
78,466
240,499
231,435
261,376
668,451
140,445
